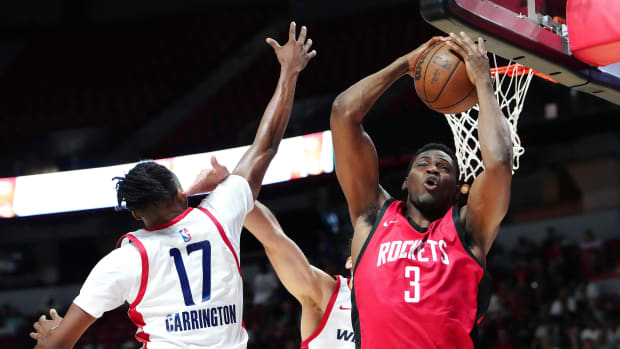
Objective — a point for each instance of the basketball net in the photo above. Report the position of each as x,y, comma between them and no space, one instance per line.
511,84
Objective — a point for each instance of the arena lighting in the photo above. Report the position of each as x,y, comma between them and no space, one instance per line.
65,191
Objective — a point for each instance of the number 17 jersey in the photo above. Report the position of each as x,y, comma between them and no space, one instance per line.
415,287
182,279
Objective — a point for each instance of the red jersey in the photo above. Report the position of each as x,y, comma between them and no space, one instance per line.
415,287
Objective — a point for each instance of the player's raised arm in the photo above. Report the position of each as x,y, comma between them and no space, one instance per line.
309,285
293,57
355,154
489,196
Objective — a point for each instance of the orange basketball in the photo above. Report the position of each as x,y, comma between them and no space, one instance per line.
441,80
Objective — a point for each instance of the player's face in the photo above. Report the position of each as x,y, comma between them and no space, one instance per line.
431,182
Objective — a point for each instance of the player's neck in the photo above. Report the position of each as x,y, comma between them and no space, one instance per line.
423,218
161,215
417,216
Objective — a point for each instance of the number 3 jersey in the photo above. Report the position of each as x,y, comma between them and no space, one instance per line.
182,279
417,288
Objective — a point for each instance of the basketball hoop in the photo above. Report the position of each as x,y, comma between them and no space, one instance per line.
511,84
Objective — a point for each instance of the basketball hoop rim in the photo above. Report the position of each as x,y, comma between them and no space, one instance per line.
518,69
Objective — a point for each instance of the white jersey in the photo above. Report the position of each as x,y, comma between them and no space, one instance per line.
335,330
182,279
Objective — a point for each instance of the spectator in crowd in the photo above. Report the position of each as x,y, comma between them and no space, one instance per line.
263,285
591,249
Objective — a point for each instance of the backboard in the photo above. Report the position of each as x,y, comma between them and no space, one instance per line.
519,32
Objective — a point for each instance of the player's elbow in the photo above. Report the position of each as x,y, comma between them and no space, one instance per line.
271,150
499,164
502,159
340,109
264,150
500,156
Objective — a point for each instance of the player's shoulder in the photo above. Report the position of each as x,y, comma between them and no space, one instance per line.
323,287
120,259
232,192
233,182
459,215
126,250
326,280
342,282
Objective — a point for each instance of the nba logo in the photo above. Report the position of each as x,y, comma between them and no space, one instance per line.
185,234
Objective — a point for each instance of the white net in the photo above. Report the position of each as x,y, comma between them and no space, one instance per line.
511,84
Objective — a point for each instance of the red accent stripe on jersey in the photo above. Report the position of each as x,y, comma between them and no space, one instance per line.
328,310
223,234
170,222
134,315
145,269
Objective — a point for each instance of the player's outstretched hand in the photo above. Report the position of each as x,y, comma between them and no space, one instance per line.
294,55
475,56
208,179
43,327
413,56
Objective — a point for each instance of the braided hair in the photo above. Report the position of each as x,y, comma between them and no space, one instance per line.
436,146
146,185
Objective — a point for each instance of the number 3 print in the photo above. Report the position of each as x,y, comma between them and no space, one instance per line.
415,284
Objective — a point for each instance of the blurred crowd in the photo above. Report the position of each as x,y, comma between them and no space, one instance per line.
556,294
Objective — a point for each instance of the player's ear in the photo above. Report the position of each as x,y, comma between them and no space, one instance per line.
136,215
348,265
181,196
403,187
461,189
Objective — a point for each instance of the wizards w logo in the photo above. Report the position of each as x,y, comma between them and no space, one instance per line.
185,234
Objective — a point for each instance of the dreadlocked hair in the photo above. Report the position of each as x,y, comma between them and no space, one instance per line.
436,146
146,185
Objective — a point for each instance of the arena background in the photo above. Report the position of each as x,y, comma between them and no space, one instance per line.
94,83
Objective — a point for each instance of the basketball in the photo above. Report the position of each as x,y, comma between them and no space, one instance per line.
441,81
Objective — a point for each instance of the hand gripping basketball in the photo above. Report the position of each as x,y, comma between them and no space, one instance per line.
413,56
475,57
441,79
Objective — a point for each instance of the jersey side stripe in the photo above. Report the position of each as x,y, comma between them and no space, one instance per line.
223,234
134,315
328,310
355,319
485,283
144,278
